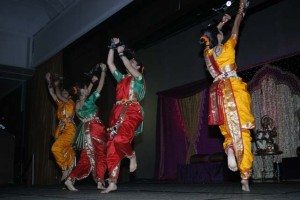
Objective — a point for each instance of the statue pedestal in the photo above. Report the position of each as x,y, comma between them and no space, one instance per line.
275,154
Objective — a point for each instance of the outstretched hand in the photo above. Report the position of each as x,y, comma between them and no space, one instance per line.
103,67
48,77
245,2
116,40
56,83
121,49
226,18
94,79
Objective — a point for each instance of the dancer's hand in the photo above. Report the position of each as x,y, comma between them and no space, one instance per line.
116,40
120,49
56,83
103,67
94,79
226,18
245,2
48,77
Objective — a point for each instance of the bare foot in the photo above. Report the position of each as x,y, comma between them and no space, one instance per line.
231,161
100,186
111,187
245,185
69,185
133,163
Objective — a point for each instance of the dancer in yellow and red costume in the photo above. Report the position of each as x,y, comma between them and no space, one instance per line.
229,100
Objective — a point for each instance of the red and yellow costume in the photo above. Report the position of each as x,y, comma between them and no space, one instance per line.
230,104
91,138
64,135
125,121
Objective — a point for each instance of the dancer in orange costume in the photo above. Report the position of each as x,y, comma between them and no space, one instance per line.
229,102
65,132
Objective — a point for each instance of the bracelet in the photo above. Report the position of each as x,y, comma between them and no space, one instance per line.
112,46
241,13
242,7
121,54
241,10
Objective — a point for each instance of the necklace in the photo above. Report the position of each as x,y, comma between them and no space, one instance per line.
218,50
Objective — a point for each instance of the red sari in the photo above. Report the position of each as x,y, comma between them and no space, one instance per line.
91,138
126,116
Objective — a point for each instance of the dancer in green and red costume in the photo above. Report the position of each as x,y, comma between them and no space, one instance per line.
91,137
127,114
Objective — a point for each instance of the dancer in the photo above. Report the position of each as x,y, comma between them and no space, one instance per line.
91,137
229,102
65,132
127,114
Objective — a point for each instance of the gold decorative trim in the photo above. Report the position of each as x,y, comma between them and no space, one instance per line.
232,120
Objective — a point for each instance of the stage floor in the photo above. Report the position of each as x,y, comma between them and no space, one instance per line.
148,190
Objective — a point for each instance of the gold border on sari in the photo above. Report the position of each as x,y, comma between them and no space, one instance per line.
232,119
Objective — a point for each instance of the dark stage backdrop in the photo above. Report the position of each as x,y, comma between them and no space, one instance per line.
41,124
12,138
267,34
80,58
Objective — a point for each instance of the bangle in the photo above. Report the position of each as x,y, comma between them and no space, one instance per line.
241,13
241,10
121,54
112,46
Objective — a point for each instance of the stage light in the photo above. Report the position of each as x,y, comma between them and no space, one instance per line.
228,3
224,6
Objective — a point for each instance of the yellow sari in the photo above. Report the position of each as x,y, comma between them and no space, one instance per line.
230,104
64,135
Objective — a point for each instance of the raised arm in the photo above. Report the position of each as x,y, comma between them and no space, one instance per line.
102,77
133,71
50,87
238,18
110,57
90,87
58,92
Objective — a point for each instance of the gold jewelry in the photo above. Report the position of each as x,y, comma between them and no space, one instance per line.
241,9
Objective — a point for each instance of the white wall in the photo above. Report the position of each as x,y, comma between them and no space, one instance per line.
268,34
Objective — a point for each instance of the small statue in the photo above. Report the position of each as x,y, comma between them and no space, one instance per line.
265,137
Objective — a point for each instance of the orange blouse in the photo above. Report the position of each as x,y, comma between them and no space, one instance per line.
65,110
